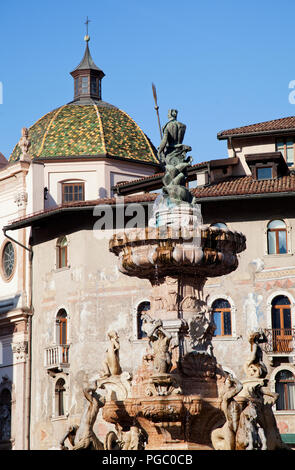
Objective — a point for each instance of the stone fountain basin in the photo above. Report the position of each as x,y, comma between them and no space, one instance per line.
178,422
202,251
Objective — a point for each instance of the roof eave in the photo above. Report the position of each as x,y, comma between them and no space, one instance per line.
31,221
244,196
221,136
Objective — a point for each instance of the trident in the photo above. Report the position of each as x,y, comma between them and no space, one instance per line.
157,107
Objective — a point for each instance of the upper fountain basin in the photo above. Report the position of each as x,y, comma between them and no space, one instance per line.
203,251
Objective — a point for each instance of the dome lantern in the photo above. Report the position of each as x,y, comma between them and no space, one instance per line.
87,78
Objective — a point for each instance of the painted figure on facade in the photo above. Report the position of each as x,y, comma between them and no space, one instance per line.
82,437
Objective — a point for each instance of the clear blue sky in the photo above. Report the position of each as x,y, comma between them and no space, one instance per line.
222,64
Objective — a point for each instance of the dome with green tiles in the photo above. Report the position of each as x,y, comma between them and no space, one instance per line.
96,129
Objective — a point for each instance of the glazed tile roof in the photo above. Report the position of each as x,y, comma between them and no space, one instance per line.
77,130
267,126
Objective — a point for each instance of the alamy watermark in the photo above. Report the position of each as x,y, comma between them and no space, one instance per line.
173,223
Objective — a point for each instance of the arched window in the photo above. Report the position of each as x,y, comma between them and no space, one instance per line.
62,252
142,308
285,387
281,324
5,415
62,332
219,225
61,321
60,397
276,237
222,317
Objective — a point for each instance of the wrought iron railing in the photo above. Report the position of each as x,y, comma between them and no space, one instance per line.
280,340
57,356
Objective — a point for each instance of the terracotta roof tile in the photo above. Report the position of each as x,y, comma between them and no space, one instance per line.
156,175
243,185
274,125
233,186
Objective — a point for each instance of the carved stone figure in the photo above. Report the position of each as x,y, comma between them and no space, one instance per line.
225,438
83,436
257,427
265,399
250,434
125,440
111,364
254,366
159,340
201,330
24,145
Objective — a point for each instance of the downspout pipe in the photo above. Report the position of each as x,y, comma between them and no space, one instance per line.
16,241
232,146
29,361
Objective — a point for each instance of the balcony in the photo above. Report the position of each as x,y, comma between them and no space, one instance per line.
57,357
280,341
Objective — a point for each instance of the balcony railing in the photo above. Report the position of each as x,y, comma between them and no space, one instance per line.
57,356
280,340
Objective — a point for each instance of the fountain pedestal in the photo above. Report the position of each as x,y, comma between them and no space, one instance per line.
177,405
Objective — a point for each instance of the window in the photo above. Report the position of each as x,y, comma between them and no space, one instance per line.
142,308
264,173
5,415
219,225
61,321
84,85
76,84
62,333
222,317
94,85
72,192
281,324
60,397
276,237
286,147
285,387
8,260
62,253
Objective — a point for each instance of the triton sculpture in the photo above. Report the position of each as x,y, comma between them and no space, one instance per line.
172,156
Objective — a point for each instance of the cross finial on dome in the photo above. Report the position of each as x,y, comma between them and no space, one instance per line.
87,37
87,76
